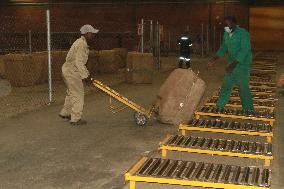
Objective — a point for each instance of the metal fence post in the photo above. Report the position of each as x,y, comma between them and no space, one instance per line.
207,39
49,55
151,35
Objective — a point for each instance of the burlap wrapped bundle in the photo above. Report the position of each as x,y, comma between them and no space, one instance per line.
20,70
140,68
2,67
58,59
41,60
108,61
122,53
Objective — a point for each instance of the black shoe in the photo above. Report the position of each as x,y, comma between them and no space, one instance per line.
65,117
78,123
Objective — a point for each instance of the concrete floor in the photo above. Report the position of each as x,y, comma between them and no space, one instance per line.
38,150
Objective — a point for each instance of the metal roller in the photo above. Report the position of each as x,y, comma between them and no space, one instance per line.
180,169
217,173
236,175
208,171
265,178
192,141
153,167
161,168
245,176
170,169
208,142
187,141
237,147
214,145
189,170
255,177
226,174
146,165
198,171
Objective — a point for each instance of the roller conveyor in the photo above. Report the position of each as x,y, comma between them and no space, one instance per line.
260,115
256,97
232,148
237,104
228,127
262,85
262,80
189,173
257,90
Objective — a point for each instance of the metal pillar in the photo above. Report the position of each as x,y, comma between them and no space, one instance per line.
49,55
207,37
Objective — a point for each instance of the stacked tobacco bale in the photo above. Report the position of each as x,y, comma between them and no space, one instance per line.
140,68
21,71
2,67
58,59
122,53
108,61
41,59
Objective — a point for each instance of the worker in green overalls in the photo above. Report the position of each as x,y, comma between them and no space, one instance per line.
236,43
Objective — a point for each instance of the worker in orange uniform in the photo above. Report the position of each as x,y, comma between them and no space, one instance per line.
75,74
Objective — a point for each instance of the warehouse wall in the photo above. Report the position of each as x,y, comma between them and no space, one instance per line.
267,27
121,18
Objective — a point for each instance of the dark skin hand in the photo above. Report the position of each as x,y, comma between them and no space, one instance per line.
230,68
87,81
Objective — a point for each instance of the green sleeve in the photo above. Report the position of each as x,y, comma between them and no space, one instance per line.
223,48
245,47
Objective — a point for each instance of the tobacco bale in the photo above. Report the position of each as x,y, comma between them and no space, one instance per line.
122,53
20,70
93,62
140,68
108,61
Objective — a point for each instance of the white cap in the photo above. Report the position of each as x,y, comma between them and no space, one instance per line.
88,29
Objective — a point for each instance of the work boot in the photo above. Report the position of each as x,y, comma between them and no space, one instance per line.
79,122
65,117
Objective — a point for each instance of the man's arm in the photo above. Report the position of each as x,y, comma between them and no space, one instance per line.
80,62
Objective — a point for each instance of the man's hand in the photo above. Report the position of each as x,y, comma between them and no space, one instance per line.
211,62
230,68
87,81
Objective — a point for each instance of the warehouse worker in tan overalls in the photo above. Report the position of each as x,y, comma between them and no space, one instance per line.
75,74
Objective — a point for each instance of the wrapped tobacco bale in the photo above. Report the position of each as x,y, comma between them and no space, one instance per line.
2,67
58,59
122,53
108,61
140,68
20,70
41,60
179,96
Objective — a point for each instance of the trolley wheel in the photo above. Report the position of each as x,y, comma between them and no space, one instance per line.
140,119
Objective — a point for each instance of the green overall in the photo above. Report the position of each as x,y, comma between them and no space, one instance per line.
238,48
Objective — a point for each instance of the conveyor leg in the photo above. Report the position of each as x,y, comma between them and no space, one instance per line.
267,162
132,184
164,153
269,139
271,123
